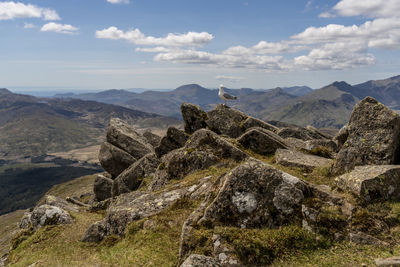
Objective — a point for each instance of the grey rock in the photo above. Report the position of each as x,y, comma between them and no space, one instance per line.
194,117
390,262
45,215
95,233
298,133
152,138
113,159
102,187
174,139
262,141
226,120
123,136
317,134
372,182
361,238
341,137
374,136
195,260
130,179
251,122
291,158
60,203
321,143
295,143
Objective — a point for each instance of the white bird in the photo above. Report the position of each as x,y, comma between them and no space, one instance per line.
225,96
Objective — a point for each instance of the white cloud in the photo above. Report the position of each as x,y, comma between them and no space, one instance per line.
13,10
59,28
228,78
118,1
368,8
29,25
137,37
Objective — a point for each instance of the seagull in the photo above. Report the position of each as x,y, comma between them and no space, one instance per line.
225,96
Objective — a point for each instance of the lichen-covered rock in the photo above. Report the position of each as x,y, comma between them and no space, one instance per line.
45,215
251,122
301,133
96,232
389,262
255,194
152,138
130,179
341,137
291,158
226,120
174,139
295,143
60,203
123,136
372,182
102,187
317,134
113,159
261,141
374,137
321,143
194,117
196,260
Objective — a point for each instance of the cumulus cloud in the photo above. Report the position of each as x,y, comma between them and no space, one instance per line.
29,25
137,37
13,10
59,28
368,8
118,1
228,78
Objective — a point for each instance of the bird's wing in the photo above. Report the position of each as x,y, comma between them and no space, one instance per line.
228,96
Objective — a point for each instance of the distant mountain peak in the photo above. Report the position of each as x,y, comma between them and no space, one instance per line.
189,86
341,85
5,91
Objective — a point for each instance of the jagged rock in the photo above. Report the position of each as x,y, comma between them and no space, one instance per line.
95,233
361,238
295,143
226,120
291,158
325,143
301,133
194,117
132,177
374,136
261,141
123,136
390,262
45,215
341,137
113,159
196,260
174,139
251,122
102,187
372,182
317,134
255,194
60,203
152,138
177,164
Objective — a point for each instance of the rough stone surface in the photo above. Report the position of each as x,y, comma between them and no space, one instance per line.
113,159
317,134
291,158
226,120
372,182
196,260
341,137
295,143
389,262
255,194
262,141
123,136
152,138
325,143
102,187
174,139
194,117
251,122
60,203
361,238
374,136
45,215
301,133
132,177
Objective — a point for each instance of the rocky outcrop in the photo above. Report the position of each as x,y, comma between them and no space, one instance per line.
372,182
194,117
113,159
261,141
196,260
389,262
123,136
102,187
316,144
341,137
174,139
291,158
251,122
225,120
130,179
304,134
374,137
45,215
152,138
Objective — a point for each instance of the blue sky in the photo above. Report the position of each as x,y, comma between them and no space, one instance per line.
101,44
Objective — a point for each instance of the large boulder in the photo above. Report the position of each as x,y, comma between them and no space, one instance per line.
298,132
251,122
226,120
372,182
321,144
194,117
341,137
374,136
196,260
102,187
261,141
130,179
152,138
291,158
174,139
255,194
123,136
45,215
113,159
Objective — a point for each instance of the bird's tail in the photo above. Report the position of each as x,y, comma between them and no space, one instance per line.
235,97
